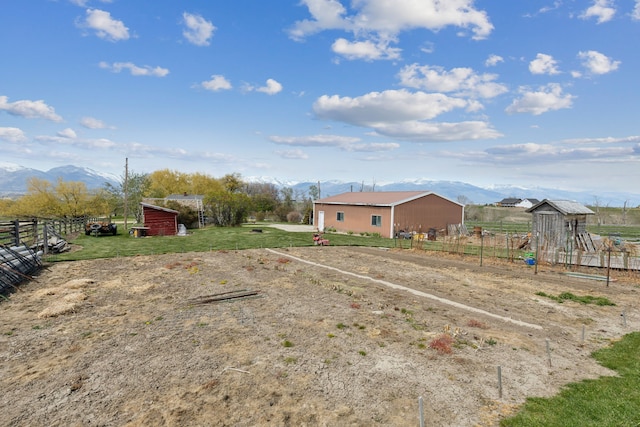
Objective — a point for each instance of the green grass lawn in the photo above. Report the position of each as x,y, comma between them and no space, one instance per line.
203,240
607,401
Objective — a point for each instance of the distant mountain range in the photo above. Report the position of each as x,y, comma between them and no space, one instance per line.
14,178
13,182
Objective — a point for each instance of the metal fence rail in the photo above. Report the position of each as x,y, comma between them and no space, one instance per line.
17,264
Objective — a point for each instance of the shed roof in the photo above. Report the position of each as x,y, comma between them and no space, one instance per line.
159,208
184,197
566,207
377,198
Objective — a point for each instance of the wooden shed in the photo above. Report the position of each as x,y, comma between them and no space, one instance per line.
159,221
559,224
386,212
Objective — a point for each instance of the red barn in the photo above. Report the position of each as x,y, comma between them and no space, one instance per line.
160,221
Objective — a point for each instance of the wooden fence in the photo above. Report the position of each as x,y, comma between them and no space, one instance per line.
31,232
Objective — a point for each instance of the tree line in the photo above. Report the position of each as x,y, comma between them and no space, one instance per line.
227,201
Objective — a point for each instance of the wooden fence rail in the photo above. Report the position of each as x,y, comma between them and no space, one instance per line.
31,232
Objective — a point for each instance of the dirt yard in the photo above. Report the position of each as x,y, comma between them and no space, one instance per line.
334,336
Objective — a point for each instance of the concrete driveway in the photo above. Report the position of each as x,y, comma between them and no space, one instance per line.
300,228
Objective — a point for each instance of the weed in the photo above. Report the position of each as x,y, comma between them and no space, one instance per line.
202,324
36,327
8,333
587,299
442,344
476,324
421,345
223,282
290,360
362,353
341,326
331,336
287,343
491,342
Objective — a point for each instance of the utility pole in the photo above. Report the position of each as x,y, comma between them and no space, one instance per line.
126,192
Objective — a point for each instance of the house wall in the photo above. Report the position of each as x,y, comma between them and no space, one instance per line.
418,215
356,218
427,212
160,223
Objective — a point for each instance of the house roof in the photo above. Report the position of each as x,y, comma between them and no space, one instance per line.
510,201
566,207
377,198
159,208
184,197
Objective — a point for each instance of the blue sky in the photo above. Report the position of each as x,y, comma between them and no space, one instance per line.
536,93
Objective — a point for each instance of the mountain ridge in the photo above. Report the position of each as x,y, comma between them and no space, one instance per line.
14,178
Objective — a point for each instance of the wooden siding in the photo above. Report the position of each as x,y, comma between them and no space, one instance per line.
553,229
160,222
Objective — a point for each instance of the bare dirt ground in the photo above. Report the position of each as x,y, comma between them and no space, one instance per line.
130,341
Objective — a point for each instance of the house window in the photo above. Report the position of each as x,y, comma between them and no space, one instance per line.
340,216
376,220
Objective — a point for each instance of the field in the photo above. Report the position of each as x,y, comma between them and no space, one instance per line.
334,336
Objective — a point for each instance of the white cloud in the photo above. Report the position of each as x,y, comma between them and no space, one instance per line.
461,81
601,9
344,143
547,98
83,3
14,135
598,63
271,88
29,109
135,70
92,123
105,26
387,106
420,131
404,115
367,50
216,83
68,133
544,64
554,153
636,11
493,60
390,18
198,30
376,23
292,154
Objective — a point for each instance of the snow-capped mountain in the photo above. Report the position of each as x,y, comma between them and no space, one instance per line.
13,182
14,178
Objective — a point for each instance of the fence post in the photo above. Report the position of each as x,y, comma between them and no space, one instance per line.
45,239
16,233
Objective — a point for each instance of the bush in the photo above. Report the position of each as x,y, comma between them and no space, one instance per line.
294,217
442,344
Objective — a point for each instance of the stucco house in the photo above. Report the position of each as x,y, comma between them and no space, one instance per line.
386,212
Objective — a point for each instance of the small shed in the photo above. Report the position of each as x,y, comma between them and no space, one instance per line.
560,223
387,212
159,221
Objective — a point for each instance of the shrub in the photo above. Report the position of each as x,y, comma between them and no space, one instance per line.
442,344
294,216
